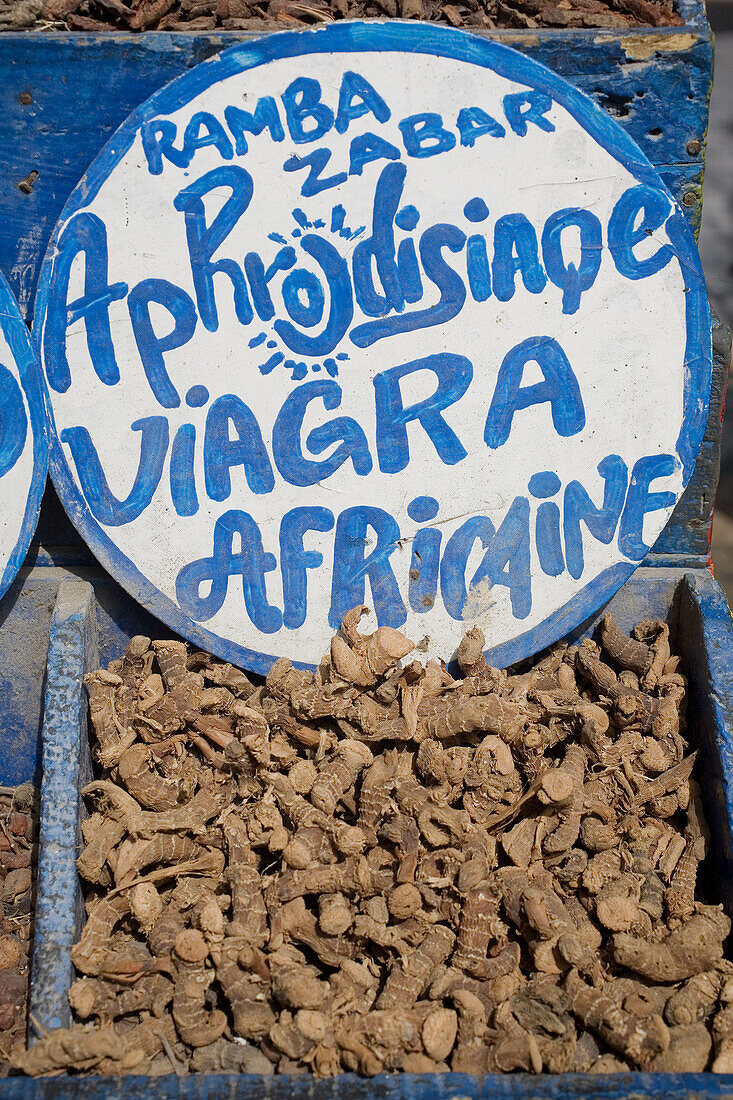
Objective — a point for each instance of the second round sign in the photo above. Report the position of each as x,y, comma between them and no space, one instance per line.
381,314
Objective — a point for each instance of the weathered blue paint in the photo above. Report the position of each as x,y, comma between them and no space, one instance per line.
702,627
66,769
655,81
57,139
25,617
705,648
25,621
687,535
447,1086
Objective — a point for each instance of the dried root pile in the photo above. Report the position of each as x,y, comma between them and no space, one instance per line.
377,867
18,851
273,15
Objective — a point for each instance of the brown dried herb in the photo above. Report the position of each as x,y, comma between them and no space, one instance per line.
376,867
18,855
258,15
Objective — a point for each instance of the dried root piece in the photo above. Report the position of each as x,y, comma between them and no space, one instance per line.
196,1024
639,1040
624,651
78,1048
691,949
112,736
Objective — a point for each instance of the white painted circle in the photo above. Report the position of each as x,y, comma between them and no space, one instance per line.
632,373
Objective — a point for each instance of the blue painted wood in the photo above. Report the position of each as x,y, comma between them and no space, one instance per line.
704,635
25,618
428,1086
702,629
655,81
66,768
686,538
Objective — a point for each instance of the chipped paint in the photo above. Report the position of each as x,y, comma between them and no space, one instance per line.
521,41
642,47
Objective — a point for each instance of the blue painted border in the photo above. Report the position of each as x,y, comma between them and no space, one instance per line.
388,37
27,364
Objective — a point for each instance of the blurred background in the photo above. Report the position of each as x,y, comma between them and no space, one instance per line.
716,249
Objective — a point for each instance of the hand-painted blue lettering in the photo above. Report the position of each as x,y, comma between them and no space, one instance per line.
476,210
506,562
352,565
422,509
449,283
474,122
303,298
357,97
157,138
106,508
423,135
424,569
13,421
523,107
197,396
380,247
425,562
407,218
601,522
251,563
259,279
247,449
478,268
367,148
640,501
85,233
544,484
150,346
302,103
549,543
265,115
572,279
560,388
408,271
626,231
295,560
316,162
455,560
454,374
515,250
183,482
204,240
341,312
287,447
204,129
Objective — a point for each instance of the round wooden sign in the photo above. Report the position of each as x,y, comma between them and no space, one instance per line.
380,313
23,438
